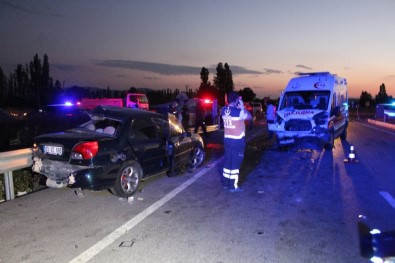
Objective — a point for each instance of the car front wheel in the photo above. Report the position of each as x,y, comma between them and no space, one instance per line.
128,180
197,157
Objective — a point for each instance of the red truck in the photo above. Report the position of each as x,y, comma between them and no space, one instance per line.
133,100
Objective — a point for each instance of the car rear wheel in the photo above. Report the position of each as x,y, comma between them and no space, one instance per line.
128,180
197,157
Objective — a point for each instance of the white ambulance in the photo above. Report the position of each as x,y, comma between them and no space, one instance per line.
312,111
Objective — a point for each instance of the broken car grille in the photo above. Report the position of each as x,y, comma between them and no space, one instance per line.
298,125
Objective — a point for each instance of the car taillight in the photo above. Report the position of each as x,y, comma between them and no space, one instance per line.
85,150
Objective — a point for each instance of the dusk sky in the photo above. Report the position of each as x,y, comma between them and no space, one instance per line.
164,44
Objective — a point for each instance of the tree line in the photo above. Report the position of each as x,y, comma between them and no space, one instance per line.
31,86
366,99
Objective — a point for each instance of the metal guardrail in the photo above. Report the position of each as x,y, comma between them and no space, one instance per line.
11,161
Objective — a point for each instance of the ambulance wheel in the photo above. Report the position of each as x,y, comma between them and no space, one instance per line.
330,144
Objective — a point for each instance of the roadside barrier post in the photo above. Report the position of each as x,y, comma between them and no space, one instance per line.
9,186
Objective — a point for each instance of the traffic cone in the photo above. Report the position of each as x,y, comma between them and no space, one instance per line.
351,156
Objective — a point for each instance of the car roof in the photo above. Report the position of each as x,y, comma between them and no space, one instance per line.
124,113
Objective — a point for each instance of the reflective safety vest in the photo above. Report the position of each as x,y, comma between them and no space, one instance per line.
234,126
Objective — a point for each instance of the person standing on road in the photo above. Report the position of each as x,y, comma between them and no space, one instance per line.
233,116
178,112
200,114
185,116
251,111
270,116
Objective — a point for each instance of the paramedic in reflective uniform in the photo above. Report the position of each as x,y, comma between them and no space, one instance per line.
233,116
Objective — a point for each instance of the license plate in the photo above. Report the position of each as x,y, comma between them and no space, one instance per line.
53,150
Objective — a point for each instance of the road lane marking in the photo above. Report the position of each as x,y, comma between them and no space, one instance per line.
375,128
388,197
117,233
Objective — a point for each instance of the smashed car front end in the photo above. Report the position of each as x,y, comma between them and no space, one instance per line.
293,126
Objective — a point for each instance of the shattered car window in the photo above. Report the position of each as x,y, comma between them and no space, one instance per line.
103,125
163,127
142,129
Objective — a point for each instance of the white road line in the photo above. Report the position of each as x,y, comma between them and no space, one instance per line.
388,197
117,233
376,128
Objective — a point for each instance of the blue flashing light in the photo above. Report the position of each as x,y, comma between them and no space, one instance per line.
390,113
376,259
68,103
375,231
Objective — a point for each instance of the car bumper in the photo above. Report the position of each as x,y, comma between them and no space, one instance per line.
317,134
62,174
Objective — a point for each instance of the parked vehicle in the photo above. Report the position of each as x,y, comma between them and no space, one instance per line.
210,106
256,107
385,111
312,109
115,150
133,100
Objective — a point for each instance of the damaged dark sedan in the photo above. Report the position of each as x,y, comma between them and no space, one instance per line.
115,150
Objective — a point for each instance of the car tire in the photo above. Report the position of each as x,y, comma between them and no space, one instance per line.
197,157
128,179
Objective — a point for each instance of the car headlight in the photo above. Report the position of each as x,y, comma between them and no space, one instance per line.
321,118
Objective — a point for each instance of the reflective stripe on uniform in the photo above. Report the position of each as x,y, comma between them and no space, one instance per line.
231,174
235,137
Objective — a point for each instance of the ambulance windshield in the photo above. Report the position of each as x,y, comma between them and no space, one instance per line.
300,100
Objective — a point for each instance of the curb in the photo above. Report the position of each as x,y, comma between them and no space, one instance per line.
382,124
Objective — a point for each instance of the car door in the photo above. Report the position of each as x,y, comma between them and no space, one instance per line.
182,144
148,146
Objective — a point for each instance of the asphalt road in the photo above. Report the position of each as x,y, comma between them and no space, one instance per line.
297,206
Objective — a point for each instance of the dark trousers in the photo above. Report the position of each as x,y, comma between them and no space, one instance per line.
234,155
202,124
